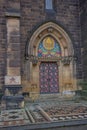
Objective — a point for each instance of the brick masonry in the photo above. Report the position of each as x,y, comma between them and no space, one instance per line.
33,14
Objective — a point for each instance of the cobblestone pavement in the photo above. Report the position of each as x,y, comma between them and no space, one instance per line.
43,112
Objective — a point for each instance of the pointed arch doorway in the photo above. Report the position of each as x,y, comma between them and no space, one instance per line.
49,78
48,49
48,43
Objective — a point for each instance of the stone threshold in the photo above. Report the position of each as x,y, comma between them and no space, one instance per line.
55,96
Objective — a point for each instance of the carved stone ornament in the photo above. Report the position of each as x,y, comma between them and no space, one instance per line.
12,80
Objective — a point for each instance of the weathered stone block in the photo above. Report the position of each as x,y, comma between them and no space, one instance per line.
12,80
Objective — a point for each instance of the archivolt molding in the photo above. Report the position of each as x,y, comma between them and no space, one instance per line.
54,30
67,71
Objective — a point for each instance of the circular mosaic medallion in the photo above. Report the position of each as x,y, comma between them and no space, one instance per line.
48,43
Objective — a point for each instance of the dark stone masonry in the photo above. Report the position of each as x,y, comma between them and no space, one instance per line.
83,21
43,55
70,15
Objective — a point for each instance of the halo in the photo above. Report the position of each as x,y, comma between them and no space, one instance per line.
48,43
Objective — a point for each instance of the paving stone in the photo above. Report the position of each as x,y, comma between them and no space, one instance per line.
68,117
74,117
61,118
85,116
55,111
13,117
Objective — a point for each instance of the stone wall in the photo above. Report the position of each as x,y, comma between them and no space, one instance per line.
32,15
66,14
2,42
83,17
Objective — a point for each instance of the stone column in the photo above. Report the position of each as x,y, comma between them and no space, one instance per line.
12,89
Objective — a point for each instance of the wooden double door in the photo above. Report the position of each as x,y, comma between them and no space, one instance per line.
49,77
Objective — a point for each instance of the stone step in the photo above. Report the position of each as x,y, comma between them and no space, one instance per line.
35,97
59,97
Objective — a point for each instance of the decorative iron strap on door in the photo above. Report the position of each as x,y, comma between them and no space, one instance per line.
48,77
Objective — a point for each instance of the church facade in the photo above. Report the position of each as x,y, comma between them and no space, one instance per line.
41,48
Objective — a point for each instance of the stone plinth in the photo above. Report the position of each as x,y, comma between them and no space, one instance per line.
12,98
12,102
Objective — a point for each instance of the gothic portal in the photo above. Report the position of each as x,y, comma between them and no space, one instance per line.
50,67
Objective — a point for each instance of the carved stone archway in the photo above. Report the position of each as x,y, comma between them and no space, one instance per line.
54,30
67,72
